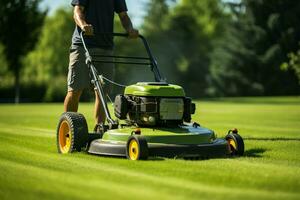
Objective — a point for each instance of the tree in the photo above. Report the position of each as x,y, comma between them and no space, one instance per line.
234,67
257,41
48,62
5,76
293,63
20,23
157,11
182,37
3,62
277,20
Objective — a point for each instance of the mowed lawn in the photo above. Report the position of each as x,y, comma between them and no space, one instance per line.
31,168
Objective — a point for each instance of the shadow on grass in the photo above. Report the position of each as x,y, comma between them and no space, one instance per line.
272,139
255,153
122,157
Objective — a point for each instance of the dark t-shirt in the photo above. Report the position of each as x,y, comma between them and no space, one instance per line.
100,14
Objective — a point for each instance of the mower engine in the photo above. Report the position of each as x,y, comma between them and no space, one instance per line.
154,104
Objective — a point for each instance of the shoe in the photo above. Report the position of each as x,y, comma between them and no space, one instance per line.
98,128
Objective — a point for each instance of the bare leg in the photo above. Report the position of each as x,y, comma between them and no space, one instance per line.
71,101
99,113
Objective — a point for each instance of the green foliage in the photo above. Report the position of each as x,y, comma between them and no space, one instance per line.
5,75
50,57
235,64
3,62
293,63
48,62
209,47
20,26
183,39
257,39
56,91
157,11
279,34
225,49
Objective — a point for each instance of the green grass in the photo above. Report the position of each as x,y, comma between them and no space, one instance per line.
30,167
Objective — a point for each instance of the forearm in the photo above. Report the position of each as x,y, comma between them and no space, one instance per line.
126,22
79,16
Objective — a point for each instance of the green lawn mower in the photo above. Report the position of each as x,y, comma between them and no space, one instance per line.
155,116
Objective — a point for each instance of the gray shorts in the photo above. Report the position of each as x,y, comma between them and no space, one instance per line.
79,75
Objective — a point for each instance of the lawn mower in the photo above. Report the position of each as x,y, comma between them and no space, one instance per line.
153,120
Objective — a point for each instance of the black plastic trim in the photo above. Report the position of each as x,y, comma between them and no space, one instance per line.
212,150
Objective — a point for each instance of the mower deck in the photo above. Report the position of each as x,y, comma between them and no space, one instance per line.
184,141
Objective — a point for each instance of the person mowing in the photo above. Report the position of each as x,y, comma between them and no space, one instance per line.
93,17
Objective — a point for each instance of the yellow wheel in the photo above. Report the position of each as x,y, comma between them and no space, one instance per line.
72,133
232,144
133,150
65,137
235,144
137,148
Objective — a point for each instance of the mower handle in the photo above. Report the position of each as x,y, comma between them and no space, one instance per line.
123,35
154,67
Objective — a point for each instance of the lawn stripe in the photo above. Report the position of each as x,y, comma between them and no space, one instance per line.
166,180
29,131
272,138
143,192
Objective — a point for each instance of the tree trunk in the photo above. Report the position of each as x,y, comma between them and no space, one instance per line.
17,85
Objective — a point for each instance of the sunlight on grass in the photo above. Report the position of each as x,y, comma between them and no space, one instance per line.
31,168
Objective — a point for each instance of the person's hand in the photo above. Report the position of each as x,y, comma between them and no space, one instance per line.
87,29
133,33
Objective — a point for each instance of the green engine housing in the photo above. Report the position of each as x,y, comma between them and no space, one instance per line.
146,89
154,104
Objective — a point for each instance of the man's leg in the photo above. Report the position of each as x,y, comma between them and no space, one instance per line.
71,101
99,113
106,70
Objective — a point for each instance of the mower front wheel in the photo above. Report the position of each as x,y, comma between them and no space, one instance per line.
137,148
235,143
72,132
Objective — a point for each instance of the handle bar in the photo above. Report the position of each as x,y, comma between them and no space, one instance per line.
154,67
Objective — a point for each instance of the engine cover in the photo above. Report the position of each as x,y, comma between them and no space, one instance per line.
156,89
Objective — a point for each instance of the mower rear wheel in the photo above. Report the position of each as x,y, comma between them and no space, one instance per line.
72,132
137,148
235,143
